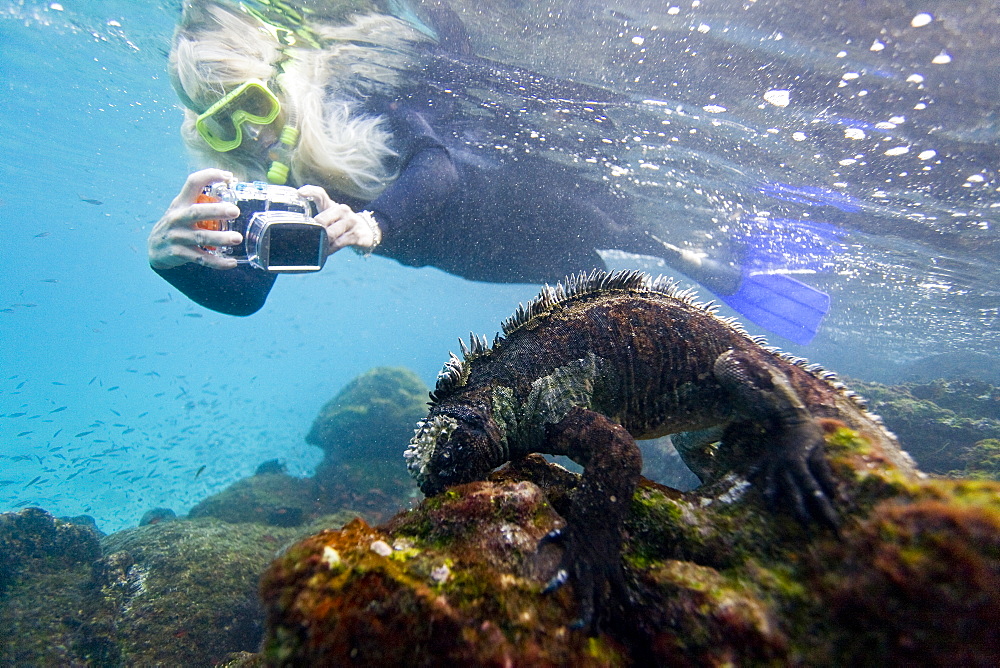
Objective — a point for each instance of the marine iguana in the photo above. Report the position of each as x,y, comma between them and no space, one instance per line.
604,359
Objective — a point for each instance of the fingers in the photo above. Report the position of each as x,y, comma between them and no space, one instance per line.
175,246
344,228
187,216
205,259
336,213
197,182
317,195
176,240
198,237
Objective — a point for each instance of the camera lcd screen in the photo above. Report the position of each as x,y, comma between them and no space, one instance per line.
294,245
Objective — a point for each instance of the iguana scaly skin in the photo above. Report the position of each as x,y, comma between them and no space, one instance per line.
592,365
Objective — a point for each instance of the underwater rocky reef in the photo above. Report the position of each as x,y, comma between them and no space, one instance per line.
950,426
716,577
183,590
271,572
174,593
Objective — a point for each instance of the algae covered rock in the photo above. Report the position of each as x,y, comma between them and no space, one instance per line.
453,581
363,432
34,542
178,593
157,515
939,421
982,461
917,582
372,418
276,499
43,565
716,576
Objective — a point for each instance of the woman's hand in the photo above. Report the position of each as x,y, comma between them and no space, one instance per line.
344,226
176,239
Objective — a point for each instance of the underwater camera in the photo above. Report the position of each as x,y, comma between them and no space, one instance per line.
279,233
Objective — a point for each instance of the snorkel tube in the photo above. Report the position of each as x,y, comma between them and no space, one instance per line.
281,152
288,27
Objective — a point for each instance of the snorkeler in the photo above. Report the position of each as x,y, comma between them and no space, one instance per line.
269,97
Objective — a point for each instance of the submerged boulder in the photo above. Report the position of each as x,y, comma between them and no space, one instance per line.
157,515
716,576
33,543
276,499
371,417
363,432
178,593
43,563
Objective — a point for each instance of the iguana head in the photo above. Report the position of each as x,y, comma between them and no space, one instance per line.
456,443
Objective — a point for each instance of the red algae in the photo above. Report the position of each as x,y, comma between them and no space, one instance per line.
340,597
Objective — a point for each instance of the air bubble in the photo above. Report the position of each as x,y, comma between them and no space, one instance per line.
779,98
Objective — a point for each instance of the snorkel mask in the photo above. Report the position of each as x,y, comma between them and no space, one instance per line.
223,124
252,104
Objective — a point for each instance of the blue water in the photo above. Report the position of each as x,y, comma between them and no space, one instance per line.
163,386
115,390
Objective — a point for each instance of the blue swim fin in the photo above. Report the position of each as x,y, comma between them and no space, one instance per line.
767,295
780,304
759,286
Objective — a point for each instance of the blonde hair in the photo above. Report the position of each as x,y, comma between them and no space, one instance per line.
341,147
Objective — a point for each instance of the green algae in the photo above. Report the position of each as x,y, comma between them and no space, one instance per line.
371,419
940,422
982,461
716,575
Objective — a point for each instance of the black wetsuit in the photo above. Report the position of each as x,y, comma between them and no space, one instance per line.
498,219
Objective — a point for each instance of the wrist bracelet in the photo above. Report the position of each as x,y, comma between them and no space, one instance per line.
369,219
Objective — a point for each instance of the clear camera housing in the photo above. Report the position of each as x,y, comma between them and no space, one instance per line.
279,233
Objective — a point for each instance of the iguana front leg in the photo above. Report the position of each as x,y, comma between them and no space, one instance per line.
592,537
795,468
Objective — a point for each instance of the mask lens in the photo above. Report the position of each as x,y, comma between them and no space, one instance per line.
257,102
220,127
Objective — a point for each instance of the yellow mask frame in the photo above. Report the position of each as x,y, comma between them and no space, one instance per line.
221,125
